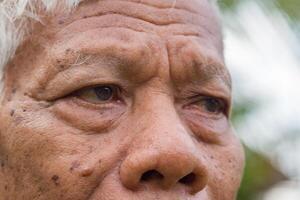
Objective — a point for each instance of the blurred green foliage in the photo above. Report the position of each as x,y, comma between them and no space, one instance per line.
259,173
290,7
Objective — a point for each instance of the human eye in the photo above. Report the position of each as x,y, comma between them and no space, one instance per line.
100,94
209,106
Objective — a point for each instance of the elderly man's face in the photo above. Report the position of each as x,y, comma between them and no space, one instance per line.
120,100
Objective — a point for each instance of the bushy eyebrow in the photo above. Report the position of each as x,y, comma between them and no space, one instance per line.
210,73
217,71
207,71
196,65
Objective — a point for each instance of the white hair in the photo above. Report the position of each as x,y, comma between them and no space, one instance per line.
15,18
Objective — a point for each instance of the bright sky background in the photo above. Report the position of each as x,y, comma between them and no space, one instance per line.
262,50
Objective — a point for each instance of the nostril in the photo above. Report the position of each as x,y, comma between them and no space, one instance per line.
151,175
188,179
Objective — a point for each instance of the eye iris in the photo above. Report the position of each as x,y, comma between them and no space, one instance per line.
104,93
213,105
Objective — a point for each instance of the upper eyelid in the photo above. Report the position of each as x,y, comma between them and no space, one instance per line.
99,85
76,78
197,99
208,95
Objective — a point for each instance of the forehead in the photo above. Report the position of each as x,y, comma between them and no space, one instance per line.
161,17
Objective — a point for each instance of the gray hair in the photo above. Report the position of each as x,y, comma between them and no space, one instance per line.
15,18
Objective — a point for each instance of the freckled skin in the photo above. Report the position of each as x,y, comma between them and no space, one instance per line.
154,142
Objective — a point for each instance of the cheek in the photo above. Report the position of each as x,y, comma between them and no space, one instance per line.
52,157
227,169
223,152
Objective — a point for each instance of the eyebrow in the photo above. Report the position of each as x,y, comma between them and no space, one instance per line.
215,70
125,61
207,72
202,69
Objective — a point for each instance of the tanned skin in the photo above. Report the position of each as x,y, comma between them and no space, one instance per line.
120,100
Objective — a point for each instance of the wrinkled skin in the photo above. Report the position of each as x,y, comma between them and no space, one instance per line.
164,133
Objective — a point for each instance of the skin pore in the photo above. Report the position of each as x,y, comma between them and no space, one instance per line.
120,99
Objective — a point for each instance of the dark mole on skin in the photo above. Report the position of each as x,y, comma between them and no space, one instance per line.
68,50
61,22
12,112
2,164
86,172
55,179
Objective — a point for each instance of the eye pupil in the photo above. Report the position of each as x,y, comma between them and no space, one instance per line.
104,93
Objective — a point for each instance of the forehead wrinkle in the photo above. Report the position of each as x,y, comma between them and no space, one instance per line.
148,14
166,4
162,21
134,18
106,21
115,21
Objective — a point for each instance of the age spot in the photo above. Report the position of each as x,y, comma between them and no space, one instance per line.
74,165
61,22
55,179
12,112
2,164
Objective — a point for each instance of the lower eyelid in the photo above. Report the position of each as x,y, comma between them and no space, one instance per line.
207,130
89,118
195,110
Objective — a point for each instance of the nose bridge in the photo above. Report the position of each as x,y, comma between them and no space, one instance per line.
163,147
161,127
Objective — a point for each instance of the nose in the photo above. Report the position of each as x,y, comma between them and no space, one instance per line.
165,169
162,151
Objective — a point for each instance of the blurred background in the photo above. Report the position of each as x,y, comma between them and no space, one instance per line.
262,50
